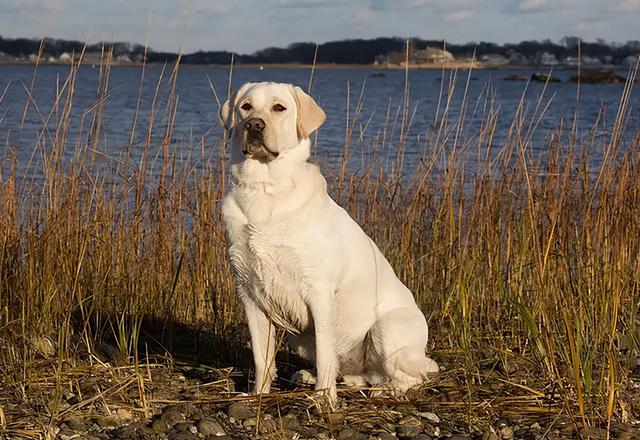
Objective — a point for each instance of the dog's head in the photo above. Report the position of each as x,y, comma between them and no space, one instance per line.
268,118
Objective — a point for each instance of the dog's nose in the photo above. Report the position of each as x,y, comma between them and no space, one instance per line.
255,125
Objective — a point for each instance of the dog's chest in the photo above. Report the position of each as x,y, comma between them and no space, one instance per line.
273,273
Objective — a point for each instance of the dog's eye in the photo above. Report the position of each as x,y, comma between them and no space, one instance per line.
278,108
246,106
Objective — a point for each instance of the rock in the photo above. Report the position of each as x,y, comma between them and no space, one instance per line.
459,437
186,408
181,435
422,437
185,426
124,414
250,422
160,426
67,434
506,432
173,417
240,411
386,436
351,434
544,78
408,427
76,424
490,435
430,416
108,422
208,426
606,76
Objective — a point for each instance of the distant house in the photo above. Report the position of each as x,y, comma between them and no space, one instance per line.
123,59
65,58
92,57
494,60
547,59
583,61
631,60
432,55
517,58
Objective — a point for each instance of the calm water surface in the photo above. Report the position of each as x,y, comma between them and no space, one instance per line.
376,130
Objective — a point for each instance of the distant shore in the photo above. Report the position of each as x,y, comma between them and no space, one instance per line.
412,66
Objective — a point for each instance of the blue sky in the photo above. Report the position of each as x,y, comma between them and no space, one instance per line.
245,26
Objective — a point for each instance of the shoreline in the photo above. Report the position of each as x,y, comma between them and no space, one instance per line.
447,66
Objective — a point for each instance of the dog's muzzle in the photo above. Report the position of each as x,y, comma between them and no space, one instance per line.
254,144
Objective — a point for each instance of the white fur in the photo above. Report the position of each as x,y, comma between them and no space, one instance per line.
302,263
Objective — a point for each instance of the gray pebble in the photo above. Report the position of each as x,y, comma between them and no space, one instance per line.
240,411
407,431
173,417
351,434
208,426
386,436
185,426
160,426
76,424
182,435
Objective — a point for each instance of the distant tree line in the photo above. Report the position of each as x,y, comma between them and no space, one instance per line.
355,51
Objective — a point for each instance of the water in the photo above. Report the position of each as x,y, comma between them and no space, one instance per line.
376,131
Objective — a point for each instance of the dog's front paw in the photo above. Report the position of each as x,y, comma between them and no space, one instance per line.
303,377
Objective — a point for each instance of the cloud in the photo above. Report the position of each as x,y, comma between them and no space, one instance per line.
533,5
364,16
391,5
628,6
458,16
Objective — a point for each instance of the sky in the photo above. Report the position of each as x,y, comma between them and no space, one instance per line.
245,26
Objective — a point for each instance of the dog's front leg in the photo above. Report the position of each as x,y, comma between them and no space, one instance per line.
262,344
321,308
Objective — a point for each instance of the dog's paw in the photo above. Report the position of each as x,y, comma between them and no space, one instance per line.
303,377
354,381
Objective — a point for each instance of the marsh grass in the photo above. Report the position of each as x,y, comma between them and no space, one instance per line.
526,265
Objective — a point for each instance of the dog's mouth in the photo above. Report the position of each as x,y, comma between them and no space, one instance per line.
255,148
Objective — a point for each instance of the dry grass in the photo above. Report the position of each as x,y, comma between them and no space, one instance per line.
527,267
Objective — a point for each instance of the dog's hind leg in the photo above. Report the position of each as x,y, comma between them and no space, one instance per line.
397,343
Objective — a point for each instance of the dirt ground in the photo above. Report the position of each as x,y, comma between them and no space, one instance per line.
194,387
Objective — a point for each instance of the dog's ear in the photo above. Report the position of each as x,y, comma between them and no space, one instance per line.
227,113
310,115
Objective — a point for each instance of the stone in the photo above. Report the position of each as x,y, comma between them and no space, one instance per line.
172,417
160,426
351,434
386,436
67,434
76,424
408,427
240,411
459,437
430,416
506,433
108,422
181,435
124,414
208,426
422,437
250,422
490,435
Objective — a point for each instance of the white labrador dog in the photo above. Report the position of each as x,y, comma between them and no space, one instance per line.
302,263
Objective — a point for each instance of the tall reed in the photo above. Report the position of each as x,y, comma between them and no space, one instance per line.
530,259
